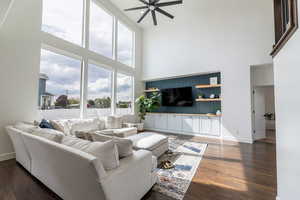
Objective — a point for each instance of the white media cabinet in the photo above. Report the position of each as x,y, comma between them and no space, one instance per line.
187,124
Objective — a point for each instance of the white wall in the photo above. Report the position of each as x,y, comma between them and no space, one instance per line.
5,6
20,44
214,35
263,75
287,97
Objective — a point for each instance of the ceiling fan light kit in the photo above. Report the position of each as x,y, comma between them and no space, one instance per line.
154,6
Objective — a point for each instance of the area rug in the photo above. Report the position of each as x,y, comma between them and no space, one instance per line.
186,157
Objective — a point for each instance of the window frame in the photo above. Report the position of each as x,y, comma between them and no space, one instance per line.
133,90
64,53
60,46
100,5
133,43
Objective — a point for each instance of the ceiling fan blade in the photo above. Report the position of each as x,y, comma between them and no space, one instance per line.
154,17
168,3
143,16
136,8
144,2
154,1
164,13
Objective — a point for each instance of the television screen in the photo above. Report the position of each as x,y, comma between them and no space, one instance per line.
177,97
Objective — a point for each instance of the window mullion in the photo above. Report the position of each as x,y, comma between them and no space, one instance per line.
114,92
84,88
86,24
115,39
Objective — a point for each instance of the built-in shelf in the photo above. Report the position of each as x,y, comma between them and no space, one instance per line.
208,86
152,90
208,100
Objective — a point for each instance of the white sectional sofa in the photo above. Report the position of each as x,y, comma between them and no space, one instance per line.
75,175
111,125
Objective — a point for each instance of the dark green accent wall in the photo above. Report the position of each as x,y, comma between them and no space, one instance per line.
191,81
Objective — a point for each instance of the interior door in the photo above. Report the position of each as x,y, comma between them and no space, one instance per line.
259,131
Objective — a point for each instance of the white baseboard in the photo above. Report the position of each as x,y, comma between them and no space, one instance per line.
7,156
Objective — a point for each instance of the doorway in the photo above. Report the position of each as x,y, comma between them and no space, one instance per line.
263,104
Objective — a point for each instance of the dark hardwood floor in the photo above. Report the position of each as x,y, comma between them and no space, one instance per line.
228,171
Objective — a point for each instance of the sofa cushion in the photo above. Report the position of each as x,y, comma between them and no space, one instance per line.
61,125
148,140
86,125
26,127
113,122
106,152
49,134
122,132
124,145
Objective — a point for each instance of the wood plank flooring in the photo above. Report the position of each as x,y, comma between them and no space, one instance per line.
228,171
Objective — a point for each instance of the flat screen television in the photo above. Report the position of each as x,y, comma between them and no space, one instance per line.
177,97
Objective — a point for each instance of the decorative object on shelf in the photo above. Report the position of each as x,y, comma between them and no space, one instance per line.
218,113
213,80
201,96
154,6
147,104
208,100
152,90
212,96
208,86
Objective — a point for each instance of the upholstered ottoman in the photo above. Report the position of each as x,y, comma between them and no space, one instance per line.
156,143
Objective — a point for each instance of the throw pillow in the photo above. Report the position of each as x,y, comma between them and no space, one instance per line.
106,152
113,122
26,127
125,146
61,125
49,134
83,135
45,124
86,125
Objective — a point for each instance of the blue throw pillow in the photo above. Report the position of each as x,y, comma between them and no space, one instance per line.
45,124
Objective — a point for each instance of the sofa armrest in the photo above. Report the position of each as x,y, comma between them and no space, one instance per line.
133,178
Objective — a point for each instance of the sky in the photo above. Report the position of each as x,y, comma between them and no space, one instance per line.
65,21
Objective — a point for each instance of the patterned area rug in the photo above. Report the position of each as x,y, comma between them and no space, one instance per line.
186,157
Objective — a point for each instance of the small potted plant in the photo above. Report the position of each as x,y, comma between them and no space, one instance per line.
201,96
147,104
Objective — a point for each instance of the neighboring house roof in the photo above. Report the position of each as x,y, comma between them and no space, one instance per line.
44,76
48,94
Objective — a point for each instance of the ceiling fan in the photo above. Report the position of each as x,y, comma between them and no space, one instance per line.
152,6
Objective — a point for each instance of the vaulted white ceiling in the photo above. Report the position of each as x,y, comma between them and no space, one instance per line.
147,22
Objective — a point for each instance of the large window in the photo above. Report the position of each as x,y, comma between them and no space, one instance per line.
124,99
63,19
125,44
59,85
71,84
99,91
101,31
